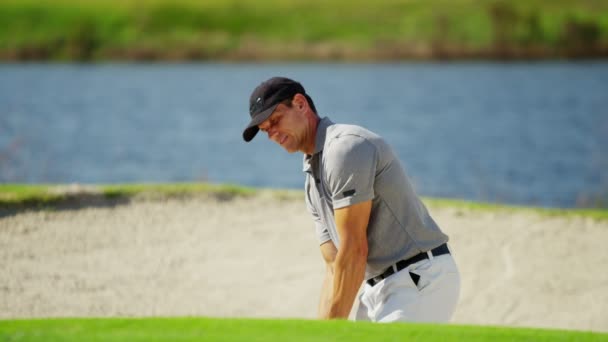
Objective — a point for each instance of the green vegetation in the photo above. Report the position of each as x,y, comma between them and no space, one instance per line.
21,193
301,29
175,189
596,214
205,329
24,196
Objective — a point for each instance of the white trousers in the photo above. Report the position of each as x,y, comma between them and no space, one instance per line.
398,299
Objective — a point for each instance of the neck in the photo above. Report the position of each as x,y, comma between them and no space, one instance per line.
311,135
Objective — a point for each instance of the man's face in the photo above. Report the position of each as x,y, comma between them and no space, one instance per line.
286,127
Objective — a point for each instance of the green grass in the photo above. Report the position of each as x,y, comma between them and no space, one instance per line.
207,329
21,195
596,214
175,189
168,29
47,195
22,192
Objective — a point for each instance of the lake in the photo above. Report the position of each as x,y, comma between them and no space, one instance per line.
520,133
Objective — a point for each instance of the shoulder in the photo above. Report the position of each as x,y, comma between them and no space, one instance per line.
338,131
345,139
350,148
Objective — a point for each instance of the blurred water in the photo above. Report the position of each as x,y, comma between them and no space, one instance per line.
517,133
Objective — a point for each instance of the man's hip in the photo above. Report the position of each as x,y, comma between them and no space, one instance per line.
425,291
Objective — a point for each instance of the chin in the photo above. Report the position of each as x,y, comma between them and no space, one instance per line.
290,149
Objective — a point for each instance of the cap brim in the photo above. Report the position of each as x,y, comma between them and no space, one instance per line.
252,129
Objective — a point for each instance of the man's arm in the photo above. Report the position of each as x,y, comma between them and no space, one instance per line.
328,251
351,259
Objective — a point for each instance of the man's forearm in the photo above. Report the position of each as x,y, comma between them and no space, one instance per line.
326,291
349,271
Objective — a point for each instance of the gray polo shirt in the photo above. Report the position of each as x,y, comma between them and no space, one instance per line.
352,165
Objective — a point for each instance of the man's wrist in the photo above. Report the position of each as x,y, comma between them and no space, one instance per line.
335,312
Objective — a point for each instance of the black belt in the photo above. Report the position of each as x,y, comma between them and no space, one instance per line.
399,265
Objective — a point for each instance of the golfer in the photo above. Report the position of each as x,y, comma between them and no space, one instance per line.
373,230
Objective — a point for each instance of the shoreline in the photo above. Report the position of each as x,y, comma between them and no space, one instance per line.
308,53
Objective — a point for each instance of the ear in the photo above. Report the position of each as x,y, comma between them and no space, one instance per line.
299,101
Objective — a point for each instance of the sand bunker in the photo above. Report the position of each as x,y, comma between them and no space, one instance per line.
258,257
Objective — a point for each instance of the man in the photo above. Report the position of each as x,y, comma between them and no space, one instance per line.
372,228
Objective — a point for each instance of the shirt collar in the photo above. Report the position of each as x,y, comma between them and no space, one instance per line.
321,133
319,141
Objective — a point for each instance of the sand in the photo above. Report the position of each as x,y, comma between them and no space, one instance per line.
258,257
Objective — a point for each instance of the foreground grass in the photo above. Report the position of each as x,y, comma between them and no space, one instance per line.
24,196
206,329
300,29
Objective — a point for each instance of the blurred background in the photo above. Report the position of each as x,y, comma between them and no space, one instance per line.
497,101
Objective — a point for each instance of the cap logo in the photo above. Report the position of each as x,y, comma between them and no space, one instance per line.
256,106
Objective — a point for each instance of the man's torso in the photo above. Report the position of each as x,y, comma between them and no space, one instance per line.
351,165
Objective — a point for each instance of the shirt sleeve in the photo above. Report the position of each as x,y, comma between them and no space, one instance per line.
350,163
322,232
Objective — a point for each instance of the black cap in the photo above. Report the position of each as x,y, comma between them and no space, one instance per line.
265,98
